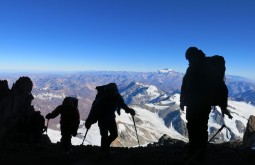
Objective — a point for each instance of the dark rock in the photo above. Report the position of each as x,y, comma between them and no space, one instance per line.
249,135
20,124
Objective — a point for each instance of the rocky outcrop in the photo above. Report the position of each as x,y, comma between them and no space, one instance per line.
249,135
166,140
19,122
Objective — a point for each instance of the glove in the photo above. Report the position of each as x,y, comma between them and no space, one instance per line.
132,111
224,112
87,124
48,116
44,129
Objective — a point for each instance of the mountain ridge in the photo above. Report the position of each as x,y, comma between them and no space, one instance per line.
155,92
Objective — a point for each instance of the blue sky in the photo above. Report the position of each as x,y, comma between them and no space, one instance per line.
130,35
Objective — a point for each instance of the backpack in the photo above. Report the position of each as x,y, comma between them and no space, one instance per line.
70,116
215,74
102,101
70,102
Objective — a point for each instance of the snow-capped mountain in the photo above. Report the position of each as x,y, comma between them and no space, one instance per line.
150,127
54,86
153,95
138,94
165,117
166,70
240,111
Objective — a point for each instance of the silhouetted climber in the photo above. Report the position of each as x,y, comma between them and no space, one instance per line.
31,122
69,120
21,92
107,102
18,119
16,108
203,86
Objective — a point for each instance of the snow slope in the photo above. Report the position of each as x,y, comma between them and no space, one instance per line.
150,127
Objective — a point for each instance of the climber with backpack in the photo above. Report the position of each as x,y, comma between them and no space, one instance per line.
69,120
107,102
203,87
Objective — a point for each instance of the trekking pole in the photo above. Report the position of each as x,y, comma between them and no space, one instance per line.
84,136
200,150
217,132
136,131
224,125
47,125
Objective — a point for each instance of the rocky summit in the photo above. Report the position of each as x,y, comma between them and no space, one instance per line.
165,151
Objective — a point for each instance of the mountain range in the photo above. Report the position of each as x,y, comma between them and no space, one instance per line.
153,95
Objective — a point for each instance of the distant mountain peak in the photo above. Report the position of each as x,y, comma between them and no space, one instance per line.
166,70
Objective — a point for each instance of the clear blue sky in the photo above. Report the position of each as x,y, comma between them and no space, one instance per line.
131,35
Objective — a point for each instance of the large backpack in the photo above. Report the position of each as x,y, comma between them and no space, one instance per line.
215,72
70,114
103,102
70,102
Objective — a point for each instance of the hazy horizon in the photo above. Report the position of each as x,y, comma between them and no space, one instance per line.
27,73
126,35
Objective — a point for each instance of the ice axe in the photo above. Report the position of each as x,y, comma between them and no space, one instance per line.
136,131
84,137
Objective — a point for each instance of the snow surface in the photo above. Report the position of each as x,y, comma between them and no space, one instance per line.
167,70
159,107
93,137
175,98
151,122
49,96
240,111
153,91
166,102
151,127
241,108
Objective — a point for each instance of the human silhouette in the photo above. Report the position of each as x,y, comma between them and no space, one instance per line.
69,120
197,93
19,122
107,102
